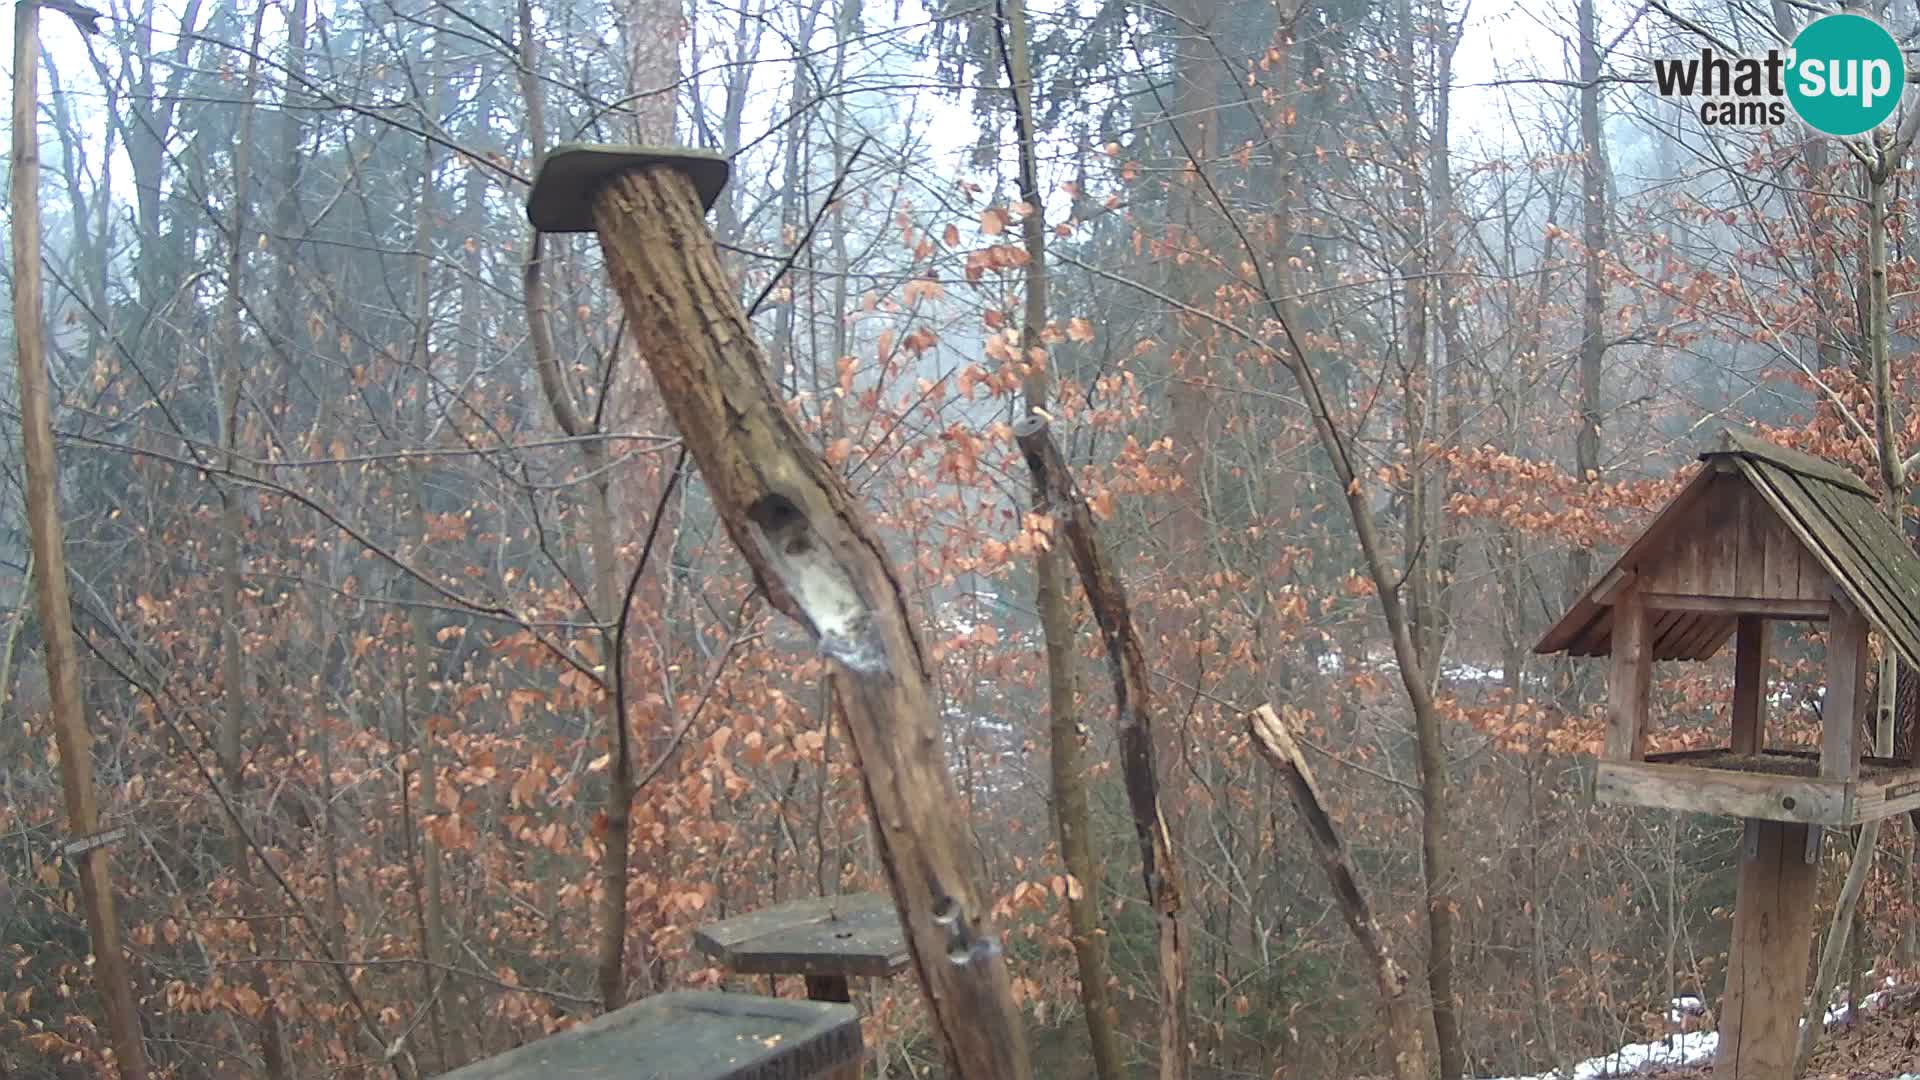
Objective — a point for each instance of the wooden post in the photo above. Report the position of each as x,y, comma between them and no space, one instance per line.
808,540
51,600
1630,681
1767,966
1750,685
1846,688
828,988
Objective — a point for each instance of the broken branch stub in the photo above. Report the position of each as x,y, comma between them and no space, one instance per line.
1132,699
811,548
1274,742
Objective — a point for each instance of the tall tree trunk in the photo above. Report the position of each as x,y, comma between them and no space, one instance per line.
1455,286
1418,575
1416,266
1593,235
1436,827
421,696
51,600
610,975
1884,159
1072,817
234,676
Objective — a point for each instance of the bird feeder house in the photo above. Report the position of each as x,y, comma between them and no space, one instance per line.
1760,534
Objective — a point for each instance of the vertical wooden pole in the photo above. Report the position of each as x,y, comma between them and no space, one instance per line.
52,604
828,988
1750,685
1630,681
1767,967
835,988
1846,689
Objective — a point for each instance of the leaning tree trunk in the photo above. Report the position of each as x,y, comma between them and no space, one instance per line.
1133,703
811,547
1404,1030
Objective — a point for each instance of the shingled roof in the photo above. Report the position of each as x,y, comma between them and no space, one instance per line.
1832,515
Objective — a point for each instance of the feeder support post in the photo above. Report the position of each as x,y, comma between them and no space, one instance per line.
1767,963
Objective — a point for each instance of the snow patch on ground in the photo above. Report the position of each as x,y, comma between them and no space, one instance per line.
1688,1048
1680,1009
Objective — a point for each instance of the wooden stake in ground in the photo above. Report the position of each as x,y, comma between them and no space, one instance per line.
1404,1030
49,554
811,548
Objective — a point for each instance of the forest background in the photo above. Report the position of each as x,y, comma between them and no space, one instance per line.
394,585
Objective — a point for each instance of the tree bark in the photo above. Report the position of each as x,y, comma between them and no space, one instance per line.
1133,705
820,563
1593,236
51,601
233,721
1275,743
610,972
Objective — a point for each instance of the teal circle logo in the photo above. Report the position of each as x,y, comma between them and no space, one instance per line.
1845,74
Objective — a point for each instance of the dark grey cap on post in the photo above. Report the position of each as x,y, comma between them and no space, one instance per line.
570,175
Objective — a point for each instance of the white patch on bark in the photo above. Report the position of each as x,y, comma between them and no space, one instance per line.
842,625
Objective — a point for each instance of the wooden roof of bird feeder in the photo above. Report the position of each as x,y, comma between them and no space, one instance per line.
1762,532
693,1035
826,940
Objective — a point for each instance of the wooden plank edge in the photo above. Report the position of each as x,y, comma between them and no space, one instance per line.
1722,792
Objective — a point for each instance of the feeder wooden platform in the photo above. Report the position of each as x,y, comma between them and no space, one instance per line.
827,940
1770,785
692,1036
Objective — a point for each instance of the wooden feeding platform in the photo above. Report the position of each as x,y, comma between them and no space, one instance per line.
695,1035
827,940
1769,785
1761,534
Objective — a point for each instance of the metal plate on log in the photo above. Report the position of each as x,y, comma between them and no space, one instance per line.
571,174
691,1035
73,849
